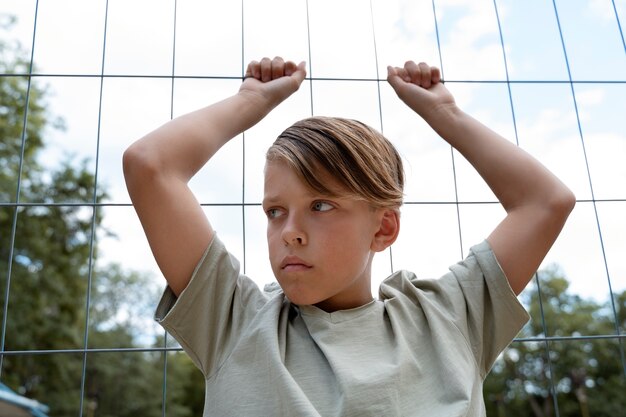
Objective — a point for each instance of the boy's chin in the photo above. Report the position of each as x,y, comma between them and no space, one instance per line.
300,299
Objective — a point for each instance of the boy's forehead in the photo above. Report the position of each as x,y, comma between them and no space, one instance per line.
277,171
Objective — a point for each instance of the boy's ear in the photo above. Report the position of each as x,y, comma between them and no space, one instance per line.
388,230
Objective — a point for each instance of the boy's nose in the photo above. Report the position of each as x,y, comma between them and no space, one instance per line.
293,234
294,238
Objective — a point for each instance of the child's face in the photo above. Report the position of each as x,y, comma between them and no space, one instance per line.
320,247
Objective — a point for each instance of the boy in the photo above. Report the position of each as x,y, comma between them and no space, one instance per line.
320,344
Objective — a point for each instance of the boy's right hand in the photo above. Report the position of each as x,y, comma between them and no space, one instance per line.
272,80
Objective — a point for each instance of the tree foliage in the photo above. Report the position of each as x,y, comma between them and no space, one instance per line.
51,266
588,374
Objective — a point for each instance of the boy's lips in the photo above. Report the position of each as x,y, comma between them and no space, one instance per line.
293,263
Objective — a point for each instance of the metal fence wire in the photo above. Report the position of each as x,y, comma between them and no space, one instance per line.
599,225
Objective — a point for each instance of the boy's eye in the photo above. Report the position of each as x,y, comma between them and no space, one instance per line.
322,206
273,213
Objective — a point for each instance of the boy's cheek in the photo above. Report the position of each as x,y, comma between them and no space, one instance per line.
273,239
271,235
273,251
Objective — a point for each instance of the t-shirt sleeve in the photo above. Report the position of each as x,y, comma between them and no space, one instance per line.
490,314
212,310
476,298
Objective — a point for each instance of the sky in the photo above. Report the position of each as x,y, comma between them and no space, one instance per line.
348,44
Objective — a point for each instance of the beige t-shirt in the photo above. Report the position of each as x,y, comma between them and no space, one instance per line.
423,349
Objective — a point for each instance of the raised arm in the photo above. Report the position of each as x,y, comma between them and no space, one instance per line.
158,167
536,202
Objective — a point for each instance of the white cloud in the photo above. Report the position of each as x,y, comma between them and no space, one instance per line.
602,8
590,97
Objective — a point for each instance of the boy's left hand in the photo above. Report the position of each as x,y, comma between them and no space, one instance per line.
419,87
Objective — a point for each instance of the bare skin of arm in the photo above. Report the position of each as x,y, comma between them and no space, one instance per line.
158,167
537,203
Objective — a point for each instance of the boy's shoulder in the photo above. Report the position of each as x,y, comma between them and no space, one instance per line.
272,288
480,263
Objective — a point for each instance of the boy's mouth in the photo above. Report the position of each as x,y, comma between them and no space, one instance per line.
293,263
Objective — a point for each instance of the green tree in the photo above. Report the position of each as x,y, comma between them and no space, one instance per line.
588,374
185,386
50,271
51,247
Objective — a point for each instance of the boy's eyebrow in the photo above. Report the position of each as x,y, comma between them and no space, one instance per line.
277,197
269,200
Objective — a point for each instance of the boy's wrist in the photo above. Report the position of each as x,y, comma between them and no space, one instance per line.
252,106
252,99
443,118
259,100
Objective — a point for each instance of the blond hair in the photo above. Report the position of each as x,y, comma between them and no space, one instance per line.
360,159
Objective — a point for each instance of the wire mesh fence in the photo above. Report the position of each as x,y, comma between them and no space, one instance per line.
81,81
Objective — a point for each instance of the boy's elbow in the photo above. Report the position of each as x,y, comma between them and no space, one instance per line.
562,203
567,200
138,164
